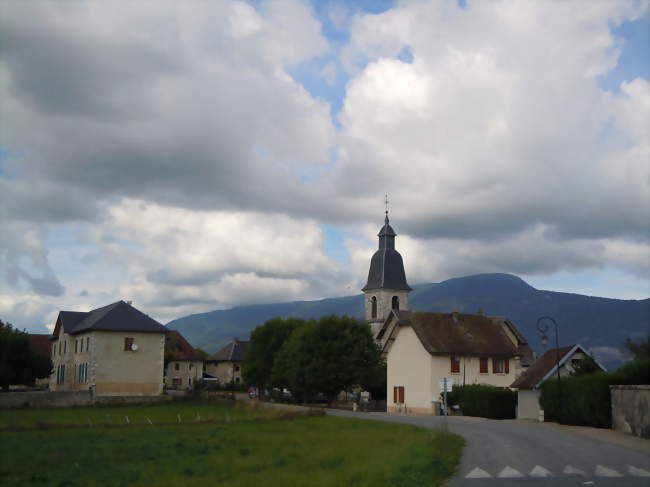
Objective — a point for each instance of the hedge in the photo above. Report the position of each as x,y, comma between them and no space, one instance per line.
484,401
586,399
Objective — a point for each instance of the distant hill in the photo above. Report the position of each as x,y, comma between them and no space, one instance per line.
601,324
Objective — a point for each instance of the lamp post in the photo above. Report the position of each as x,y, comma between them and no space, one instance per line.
543,329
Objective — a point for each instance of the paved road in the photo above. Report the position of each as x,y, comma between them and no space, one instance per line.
510,453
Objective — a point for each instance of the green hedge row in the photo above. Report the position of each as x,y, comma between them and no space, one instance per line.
586,399
484,401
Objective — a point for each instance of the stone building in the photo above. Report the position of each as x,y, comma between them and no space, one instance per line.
184,363
113,350
225,365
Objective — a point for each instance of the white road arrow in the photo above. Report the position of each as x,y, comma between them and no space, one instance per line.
478,473
606,472
509,472
569,470
540,472
638,472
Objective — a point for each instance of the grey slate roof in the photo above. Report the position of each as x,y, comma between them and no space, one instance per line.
233,352
118,316
386,266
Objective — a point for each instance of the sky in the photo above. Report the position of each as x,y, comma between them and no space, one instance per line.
192,155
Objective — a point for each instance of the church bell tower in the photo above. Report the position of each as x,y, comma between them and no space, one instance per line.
386,288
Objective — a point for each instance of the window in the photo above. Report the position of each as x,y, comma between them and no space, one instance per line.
575,363
455,365
128,343
177,366
189,382
398,394
395,303
60,375
373,305
76,346
81,348
191,365
53,349
176,382
237,380
500,366
236,368
483,366
65,346
87,343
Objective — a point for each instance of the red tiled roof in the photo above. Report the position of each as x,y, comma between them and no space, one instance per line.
41,344
462,334
542,366
179,348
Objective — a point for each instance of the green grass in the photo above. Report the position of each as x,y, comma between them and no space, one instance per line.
305,451
189,411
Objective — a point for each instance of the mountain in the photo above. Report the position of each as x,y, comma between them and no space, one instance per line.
600,324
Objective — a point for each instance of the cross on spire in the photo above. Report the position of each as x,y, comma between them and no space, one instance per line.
386,203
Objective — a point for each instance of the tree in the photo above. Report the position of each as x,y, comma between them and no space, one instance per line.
328,356
640,350
265,343
586,366
19,364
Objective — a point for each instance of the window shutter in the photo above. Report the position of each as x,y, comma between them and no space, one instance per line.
395,394
401,394
484,365
507,366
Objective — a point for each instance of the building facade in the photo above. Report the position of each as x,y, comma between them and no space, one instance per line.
226,364
113,350
184,363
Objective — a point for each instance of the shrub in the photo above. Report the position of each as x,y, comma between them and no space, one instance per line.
484,401
586,400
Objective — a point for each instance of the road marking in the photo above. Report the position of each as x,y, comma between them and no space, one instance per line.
638,472
478,473
606,472
509,472
569,470
540,472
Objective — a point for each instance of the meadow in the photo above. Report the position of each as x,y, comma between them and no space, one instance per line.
231,445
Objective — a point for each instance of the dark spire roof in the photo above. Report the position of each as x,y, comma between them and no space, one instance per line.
386,267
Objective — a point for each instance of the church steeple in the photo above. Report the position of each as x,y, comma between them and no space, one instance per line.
386,288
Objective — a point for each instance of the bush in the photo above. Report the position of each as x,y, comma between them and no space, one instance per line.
586,399
484,401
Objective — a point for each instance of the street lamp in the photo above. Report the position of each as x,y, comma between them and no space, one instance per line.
543,329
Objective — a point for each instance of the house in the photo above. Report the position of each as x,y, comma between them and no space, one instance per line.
423,348
113,350
225,364
545,367
184,362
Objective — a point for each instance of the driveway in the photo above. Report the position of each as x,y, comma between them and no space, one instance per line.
514,453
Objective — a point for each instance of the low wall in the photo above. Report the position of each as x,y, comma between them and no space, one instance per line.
631,409
66,399
45,399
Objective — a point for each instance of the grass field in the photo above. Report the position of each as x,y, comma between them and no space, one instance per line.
248,450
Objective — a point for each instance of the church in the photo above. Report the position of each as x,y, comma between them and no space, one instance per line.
423,348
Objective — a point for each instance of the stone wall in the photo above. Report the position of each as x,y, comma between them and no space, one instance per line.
45,399
66,399
631,409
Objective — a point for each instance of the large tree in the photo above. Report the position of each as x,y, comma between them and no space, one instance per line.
328,356
19,364
640,350
266,341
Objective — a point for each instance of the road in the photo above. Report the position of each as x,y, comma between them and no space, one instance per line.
511,453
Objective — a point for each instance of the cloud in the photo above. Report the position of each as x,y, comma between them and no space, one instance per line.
197,172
